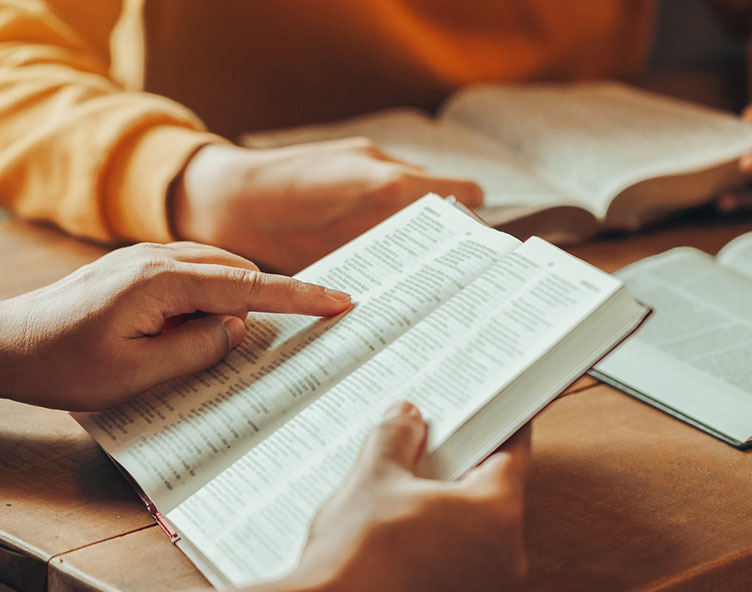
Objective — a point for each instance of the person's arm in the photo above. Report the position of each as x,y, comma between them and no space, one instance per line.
75,148
112,328
386,529
78,150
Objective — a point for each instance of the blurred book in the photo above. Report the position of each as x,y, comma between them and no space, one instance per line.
693,357
560,161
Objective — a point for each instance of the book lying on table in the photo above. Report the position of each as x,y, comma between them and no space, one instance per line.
560,161
477,329
693,356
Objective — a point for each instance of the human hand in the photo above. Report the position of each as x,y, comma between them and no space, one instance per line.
96,337
288,207
386,529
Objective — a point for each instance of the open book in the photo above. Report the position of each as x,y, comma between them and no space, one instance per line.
478,330
560,161
693,357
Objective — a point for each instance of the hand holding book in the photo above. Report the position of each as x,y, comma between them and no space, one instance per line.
431,534
103,324
478,330
285,208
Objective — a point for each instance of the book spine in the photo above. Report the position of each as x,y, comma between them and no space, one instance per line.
162,521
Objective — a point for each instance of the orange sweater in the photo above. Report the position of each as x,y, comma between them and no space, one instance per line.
83,146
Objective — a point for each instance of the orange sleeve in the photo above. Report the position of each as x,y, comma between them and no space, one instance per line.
76,149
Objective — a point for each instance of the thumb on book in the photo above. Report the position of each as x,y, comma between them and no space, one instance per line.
399,439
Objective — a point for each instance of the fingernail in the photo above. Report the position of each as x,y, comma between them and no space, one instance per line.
337,295
400,408
235,330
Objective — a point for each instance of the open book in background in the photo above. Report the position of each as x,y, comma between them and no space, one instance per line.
560,161
477,329
693,357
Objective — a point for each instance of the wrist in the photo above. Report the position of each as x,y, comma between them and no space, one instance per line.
197,196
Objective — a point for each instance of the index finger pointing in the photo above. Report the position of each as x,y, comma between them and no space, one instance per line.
279,293
220,289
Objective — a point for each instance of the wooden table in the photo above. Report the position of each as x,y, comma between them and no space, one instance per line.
621,496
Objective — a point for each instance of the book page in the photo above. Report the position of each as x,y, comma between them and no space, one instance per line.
737,255
178,436
444,148
693,354
251,521
596,139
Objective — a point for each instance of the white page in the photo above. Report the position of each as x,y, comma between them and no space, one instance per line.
444,148
597,139
178,436
251,521
693,354
737,255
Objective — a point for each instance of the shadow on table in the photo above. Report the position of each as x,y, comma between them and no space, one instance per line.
622,497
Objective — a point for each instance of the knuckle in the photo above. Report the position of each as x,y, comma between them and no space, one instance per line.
151,261
155,247
151,268
253,282
141,251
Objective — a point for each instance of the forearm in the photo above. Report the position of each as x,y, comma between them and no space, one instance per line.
13,349
76,149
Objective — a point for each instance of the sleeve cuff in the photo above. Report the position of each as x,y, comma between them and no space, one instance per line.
135,206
